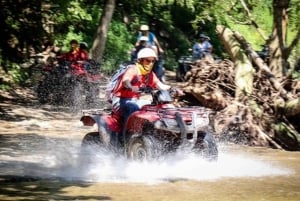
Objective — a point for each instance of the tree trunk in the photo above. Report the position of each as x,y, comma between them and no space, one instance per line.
278,57
101,36
243,67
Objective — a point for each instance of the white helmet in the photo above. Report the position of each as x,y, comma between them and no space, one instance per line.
146,52
144,28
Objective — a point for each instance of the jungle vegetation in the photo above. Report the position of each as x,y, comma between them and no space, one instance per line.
25,26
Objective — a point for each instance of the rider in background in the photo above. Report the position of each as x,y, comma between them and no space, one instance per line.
203,48
154,44
83,50
84,54
76,57
73,54
127,93
152,39
142,43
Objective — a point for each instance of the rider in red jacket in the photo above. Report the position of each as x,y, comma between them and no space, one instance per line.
76,57
126,96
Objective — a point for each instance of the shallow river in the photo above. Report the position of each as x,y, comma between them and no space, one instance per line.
41,160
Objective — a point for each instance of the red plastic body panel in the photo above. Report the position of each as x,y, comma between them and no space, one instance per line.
91,117
113,122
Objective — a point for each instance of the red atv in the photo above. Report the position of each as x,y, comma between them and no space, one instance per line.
157,129
70,83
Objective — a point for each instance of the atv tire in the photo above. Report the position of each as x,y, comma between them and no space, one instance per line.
207,146
89,146
142,148
179,76
91,139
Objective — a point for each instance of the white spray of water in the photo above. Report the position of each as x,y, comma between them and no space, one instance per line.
64,160
103,166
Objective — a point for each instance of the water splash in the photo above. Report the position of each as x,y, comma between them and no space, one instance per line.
103,166
65,161
190,167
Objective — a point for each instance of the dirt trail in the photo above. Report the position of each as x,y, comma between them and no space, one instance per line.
21,113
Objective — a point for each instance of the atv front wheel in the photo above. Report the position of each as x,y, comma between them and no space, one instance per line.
141,148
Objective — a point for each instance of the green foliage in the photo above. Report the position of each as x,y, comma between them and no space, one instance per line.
118,46
294,15
18,74
176,23
15,75
65,41
78,21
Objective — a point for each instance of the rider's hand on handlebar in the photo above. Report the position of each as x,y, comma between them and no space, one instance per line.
146,89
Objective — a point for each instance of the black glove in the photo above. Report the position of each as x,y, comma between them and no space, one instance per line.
146,89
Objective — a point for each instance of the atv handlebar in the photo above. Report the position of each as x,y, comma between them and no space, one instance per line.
146,90
161,96
174,91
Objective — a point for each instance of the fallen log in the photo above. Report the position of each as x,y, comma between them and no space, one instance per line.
287,136
211,83
262,65
249,101
243,66
289,108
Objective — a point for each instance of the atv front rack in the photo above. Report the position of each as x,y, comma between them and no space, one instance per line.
186,122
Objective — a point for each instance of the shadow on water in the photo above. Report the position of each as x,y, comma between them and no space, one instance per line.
28,188
25,172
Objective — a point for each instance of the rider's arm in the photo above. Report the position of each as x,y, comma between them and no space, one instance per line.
157,83
162,86
127,84
128,76
158,45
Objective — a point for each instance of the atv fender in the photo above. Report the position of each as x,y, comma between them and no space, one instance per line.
88,120
138,119
103,121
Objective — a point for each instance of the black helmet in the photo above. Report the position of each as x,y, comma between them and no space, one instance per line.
74,42
84,45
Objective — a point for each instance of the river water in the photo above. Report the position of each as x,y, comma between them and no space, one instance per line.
40,159
241,173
